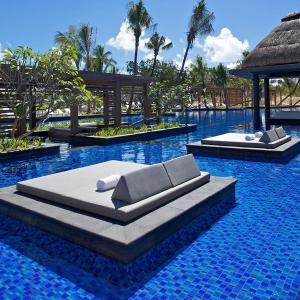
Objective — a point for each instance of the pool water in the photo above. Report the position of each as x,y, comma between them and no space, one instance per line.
250,250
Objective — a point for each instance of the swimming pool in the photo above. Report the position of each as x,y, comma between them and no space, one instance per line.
250,252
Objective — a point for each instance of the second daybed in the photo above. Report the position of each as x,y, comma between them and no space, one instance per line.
273,144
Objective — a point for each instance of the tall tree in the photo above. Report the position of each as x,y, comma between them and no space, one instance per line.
200,24
82,39
199,71
102,60
38,82
70,38
220,78
86,40
157,43
139,19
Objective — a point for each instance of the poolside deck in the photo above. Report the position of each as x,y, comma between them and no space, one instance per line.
122,242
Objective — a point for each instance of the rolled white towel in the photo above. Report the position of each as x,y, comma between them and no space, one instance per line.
108,183
258,134
250,137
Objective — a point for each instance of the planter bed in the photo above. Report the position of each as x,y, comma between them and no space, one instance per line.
45,149
84,140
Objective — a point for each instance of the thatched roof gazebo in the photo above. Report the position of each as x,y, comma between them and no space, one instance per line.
276,56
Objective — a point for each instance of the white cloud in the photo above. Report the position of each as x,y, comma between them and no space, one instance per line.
125,40
224,48
178,61
151,55
232,65
197,44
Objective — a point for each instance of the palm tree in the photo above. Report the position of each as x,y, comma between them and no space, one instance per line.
220,78
200,70
82,40
86,42
157,43
102,61
200,25
290,86
70,38
139,19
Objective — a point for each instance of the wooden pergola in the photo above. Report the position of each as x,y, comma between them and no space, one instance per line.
111,87
276,56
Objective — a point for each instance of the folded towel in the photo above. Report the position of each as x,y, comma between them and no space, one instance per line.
250,137
108,183
258,134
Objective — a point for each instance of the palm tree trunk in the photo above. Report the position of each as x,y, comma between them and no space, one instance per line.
135,69
134,73
183,62
154,64
204,93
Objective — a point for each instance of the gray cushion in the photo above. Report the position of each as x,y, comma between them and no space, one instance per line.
269,136
141,184
280,132
182,169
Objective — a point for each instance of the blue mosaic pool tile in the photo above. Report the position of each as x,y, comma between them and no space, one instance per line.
249,250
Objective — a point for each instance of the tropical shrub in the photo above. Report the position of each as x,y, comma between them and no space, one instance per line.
8,144
107,132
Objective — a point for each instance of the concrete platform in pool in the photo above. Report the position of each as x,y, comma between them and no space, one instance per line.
85,140
122,242
45,149
281,153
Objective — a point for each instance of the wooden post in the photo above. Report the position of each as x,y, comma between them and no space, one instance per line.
74,118
256,101
267,102
146,104
105,107
118,109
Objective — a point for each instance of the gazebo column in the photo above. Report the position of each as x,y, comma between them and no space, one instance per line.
256,101
267,102
118,104
74,118
146,104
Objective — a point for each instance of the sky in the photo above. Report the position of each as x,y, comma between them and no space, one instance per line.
239,25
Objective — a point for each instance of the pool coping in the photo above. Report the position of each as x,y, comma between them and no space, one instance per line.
84,140
282,153
46,148
122,242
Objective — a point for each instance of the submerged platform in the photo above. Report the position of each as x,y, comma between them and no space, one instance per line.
285,117
45,149
281,153
88,140
119,241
